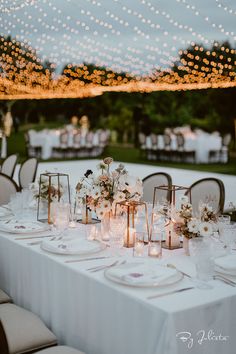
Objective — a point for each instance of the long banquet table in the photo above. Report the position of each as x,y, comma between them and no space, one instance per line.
93,314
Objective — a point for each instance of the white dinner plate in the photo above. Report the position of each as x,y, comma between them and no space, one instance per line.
72,246
23,227
142,275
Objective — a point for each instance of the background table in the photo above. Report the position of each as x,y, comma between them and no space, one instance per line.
89,312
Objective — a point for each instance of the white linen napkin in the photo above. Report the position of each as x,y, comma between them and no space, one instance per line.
71,246
25,226
227,263
142,274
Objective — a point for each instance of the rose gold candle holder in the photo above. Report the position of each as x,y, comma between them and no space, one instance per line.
172,240
52,186
130,208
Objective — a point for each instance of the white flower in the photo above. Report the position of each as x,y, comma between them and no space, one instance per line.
193,226
101,212
119,197
95,192
106,205
205,229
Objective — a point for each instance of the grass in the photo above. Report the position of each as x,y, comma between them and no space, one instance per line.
16,144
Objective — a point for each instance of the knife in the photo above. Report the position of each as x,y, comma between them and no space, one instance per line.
84,259
169,293
32,237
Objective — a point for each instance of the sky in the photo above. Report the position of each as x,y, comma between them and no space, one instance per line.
125,35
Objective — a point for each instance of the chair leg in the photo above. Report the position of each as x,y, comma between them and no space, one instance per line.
3,341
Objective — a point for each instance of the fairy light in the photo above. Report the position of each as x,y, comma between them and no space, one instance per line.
89,35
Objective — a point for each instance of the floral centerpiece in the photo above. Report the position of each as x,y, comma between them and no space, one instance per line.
190,226
101,192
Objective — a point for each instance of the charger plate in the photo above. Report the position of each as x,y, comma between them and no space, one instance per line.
141,275
72,246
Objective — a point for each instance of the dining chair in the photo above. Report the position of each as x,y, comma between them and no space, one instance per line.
27,172
183,154
22,331
167,153
4,298
155,180
61,349
207,190
9,165
63,149
8,187
142,145
32,150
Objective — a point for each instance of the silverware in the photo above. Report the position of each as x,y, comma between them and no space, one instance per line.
107,267
101,267
85,259
200,284
34,243
169,293
223,279
32,237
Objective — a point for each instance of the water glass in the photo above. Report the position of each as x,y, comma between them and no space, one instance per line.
117,231
223,220
155,244
139,244
229,237
201,253
62,217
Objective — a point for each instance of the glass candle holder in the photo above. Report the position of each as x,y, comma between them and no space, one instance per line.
130,208
139,244
155,244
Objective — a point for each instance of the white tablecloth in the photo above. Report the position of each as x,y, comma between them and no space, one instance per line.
202,143
89,312
51,138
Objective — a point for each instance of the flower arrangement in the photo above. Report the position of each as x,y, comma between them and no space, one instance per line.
55,190
189,226
101,192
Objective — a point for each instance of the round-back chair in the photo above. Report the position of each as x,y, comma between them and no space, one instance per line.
207,190
155,180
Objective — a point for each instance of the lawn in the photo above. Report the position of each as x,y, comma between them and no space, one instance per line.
126,154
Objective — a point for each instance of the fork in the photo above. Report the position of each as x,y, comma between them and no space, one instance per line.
97,269
201,284
101,267
223,279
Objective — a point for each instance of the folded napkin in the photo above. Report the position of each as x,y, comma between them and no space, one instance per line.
142,274
71,245
226,264
25,226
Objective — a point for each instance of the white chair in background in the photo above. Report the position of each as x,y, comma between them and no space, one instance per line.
207,190
27,172
155,180
8,187
9,165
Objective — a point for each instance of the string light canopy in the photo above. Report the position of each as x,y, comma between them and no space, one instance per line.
82,48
